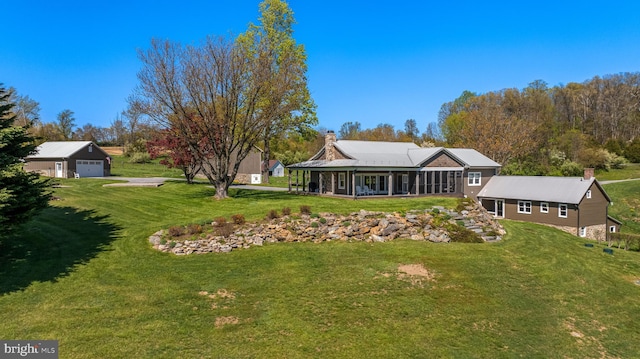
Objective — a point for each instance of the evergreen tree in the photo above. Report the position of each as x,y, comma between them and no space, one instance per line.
22,194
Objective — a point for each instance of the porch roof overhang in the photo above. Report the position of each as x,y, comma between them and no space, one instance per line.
352,165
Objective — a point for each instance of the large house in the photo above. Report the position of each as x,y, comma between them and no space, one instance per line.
68,159
361,168
578,205
370,168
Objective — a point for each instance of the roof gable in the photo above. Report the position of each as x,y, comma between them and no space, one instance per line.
539,188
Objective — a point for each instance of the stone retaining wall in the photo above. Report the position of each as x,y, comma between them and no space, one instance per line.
420,225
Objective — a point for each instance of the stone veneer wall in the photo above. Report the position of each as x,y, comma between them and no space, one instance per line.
597,232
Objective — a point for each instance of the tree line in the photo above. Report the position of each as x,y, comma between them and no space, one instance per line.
128,127
550,130
539,130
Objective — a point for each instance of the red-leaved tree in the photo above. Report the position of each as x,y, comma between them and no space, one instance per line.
178,155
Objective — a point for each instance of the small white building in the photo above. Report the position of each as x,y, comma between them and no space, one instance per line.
276,168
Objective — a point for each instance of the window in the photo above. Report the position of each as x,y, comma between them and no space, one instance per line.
341,180
524,207
474,178
562,210
612,229
544,207
583,231
589,194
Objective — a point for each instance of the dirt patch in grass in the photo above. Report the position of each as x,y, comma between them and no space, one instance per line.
220,297
222,321
415,274
415,270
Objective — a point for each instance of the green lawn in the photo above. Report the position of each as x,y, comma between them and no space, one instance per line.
85,274
120,166
626,204
631,170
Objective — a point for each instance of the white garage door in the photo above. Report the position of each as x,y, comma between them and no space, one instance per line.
87,168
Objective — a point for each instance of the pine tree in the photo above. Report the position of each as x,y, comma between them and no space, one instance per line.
22,194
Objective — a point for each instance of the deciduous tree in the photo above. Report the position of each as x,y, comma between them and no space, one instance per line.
220,97
271,41
65,124
176,149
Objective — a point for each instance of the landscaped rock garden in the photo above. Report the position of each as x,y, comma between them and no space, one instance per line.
468,223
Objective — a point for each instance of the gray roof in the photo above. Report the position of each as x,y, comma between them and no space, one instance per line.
472,157
569,190
393,154
59,149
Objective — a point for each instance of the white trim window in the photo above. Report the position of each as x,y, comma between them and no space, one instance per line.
612,229
583,232
341,180
524,207
563,209
475,178
588,194
544,207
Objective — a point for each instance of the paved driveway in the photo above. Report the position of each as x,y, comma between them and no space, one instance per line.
159,181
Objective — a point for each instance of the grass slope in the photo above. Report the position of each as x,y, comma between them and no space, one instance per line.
95,284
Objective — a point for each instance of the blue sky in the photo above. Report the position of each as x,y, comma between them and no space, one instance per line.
369,61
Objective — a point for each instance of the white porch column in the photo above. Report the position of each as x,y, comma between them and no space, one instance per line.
353,184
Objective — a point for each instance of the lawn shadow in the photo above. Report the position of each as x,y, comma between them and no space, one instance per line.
51,245
258,194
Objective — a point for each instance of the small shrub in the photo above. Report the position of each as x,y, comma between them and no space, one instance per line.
238,219
219,222
224,230
140,157
163,241
346,223
463,203
462,235
272,214
304,209
194,228
286,211
176,231
315,215
570,168
314,225
435,211
323,220
172,244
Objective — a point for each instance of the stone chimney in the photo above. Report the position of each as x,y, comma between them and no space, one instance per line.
329,140
589,173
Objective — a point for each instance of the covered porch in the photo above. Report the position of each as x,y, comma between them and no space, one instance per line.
357,182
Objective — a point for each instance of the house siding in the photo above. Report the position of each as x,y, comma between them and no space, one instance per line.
552,218
44,167
485,176
593,210
250,164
